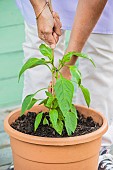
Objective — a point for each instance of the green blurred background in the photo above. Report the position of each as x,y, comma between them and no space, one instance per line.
11,54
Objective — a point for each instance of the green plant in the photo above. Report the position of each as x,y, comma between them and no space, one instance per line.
62,113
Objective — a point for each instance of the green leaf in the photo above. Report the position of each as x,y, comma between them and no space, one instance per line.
43,101
73,110
45,121
32,103
28,102
32,62
64,90
59,127
56,124
86,94
76,75
46,51
82,55
55,104
70,122
60,62
60,114
53,114
48,94
38,120
49,102
67,57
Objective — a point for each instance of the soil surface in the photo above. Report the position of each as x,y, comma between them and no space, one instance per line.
25,124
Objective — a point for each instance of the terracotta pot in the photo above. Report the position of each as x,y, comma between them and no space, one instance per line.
41,153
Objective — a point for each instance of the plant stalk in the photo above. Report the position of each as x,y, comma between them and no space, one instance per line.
53,75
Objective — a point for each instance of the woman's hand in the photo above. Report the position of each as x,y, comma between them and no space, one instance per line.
48,22
49,27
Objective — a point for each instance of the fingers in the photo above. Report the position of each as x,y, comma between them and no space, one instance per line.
57,24
57,18
46,34
56,37
57,28
49,28
55,15
49,39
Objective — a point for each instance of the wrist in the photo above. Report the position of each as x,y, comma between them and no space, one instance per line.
72,61
38,5
73,47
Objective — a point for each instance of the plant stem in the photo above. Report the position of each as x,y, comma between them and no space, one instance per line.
53,75
57,75
53,84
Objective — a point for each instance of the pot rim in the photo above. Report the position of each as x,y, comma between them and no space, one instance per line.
56,141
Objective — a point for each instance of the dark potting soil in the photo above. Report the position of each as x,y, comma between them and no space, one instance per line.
25,124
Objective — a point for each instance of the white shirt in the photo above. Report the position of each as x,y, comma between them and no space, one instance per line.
66,10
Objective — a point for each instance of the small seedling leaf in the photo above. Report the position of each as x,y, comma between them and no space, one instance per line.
45,121
70,122
48,94
55,104
49,102
59,127
28,102
53,114
38,120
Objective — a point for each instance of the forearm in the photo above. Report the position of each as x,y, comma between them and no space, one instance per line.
87,15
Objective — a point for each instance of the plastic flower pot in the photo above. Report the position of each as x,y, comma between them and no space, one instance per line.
42,153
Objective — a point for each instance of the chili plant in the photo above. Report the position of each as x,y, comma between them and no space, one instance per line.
62,113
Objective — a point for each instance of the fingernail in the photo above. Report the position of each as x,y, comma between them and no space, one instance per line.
53,46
